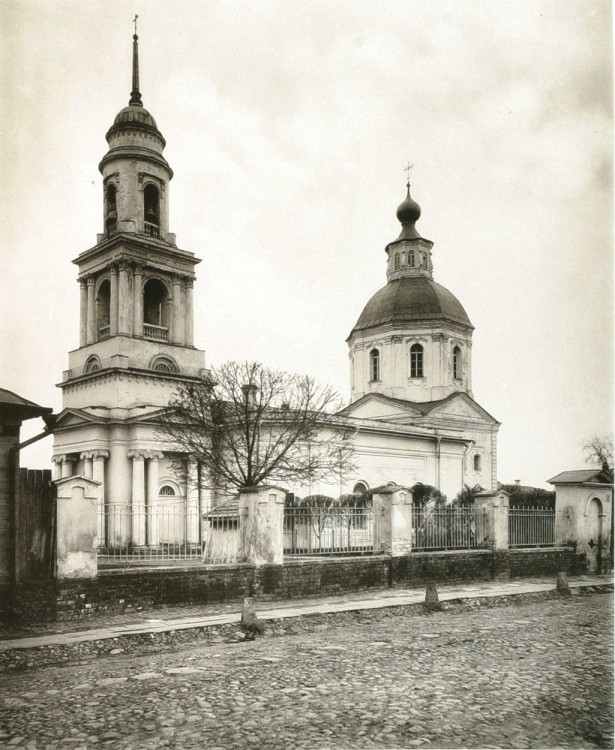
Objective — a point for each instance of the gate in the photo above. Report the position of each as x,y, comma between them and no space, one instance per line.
35,537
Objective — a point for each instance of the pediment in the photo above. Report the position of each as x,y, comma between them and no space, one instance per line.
381,408
460,406
76,417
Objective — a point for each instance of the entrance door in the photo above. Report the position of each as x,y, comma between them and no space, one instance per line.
594,536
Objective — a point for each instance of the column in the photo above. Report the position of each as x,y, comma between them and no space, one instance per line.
152,495
98,474
67,466
125,301
83,312
91,327
176,321
139,524
189,312
87,466
192,502
56,471
113,302
137,301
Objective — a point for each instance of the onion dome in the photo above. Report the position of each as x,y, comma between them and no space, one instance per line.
409,300
409,211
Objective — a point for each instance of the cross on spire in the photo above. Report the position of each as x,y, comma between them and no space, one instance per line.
135,94
407,169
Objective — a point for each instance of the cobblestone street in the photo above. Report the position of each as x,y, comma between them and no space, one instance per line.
535,675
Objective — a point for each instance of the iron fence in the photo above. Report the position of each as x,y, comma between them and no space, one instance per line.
167,532
531,527
449,528
333,530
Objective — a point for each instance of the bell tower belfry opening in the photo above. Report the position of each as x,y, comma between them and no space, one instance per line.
136,324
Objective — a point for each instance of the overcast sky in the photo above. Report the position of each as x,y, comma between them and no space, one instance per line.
288,125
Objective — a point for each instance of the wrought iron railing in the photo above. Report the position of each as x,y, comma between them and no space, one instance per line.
161,532
444,528
166,531
334,530
531,527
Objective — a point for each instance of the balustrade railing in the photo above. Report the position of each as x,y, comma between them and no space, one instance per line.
151,230
156,333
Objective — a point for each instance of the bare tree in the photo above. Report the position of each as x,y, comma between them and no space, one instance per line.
599,451
249,424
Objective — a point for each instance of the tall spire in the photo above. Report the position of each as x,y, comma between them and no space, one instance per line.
135,94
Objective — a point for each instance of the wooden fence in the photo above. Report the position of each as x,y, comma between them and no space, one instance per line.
35,526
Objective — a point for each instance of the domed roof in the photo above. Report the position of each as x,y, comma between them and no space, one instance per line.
411,299
135,114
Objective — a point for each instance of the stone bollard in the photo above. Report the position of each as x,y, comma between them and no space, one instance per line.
432,602
562,586
250,624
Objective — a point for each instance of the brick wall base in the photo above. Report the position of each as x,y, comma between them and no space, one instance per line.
119,591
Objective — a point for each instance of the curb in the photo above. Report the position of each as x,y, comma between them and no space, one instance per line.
31,657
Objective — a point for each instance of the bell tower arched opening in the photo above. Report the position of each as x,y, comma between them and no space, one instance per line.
155,310
111,209
151,210
103,310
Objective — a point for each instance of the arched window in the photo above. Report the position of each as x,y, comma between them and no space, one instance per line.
477,462
416,361
374,364
424,260
163,364
411,258
167,491
397,261
151,210
111,210
103,307
155,312
457,363
92,364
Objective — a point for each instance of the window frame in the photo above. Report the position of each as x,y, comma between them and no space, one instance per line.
417,360
374,365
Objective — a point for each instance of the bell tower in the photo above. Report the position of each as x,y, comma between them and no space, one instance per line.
136,285
136,343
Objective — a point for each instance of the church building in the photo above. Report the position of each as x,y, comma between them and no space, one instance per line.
411,378
412,414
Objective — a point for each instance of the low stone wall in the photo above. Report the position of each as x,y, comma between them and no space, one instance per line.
118,591
545,561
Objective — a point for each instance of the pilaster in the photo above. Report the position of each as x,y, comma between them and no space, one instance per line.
113,301
91,316
83,312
